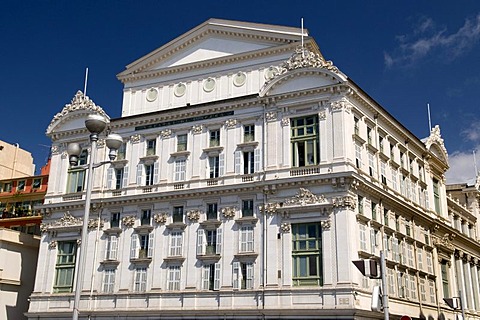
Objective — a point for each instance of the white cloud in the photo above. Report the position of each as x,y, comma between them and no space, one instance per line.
462,167
426,37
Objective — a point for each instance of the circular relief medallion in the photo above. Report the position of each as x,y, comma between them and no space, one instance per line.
271,72
209,85
239,79
180,89
152,94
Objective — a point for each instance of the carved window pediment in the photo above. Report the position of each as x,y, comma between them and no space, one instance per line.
65,223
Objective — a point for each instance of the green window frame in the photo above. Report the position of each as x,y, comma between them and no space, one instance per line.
76,177
307,254
305,141
65,266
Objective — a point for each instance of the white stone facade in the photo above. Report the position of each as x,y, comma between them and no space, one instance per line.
254,172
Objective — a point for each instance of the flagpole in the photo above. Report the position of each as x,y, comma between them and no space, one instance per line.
85,82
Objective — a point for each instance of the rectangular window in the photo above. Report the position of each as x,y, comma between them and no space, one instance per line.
108,280
431,288
173,282
374,210
180,168
214,165
247,208
383,172
360,204
305,141
369,135
76,180
307,254
391,281
444,274
429,262
358,155
246,239
178,214
211,276
140,283
248,162
122,152
242,275
212,211
182,142
37,183
436,196
142,246
380,143
151,147
363,237
394,178
65,266
119,178
249,133
423,293
176,243
413,287
409,254
356,126
372,169
214,138
209,242
115,220
146,217
112,247
420,258
149,174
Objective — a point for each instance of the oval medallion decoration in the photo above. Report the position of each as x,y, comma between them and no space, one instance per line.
271,72
239,79
209,85
180,89
152,94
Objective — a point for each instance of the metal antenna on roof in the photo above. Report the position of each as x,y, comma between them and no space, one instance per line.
475,163
429,119
85,83
303,49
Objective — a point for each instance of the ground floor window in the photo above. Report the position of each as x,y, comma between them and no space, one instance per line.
307,254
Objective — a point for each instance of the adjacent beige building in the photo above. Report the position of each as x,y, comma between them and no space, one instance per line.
14,161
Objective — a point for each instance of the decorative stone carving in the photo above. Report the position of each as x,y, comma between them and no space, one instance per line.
79,102
271,116
304,58
93,224
194,214
55,149
270,208
160,217
304,197
129,221
228,212
445,241
345,202
197,129
436,138
285,227
285,122
342,104
101,144
64,154
66,221
230,123
322,115
164,134
326,224
135,138
52,244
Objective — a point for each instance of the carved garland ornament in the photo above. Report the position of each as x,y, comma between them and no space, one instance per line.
271,116
128,221
93,224
270,208
135,138
160,218
304,58
228,212
341,104
304,197
167,133
194,214
345,202
66,221
285,227
285,122
197,129
230,123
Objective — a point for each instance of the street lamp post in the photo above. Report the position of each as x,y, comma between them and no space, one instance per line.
95,124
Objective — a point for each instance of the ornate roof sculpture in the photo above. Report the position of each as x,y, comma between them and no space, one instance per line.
80,102
304,58
67,221
435,139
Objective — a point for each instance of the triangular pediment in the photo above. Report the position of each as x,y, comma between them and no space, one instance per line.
435,145
212,40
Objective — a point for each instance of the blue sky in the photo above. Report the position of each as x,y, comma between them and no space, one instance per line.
404,54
